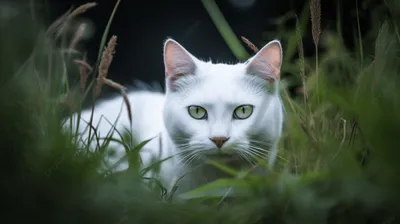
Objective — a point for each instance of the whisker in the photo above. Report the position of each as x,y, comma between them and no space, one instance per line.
262,143
181,142
183,161
256,153
242,151
278,156
251,158
185,156
243,157
181,138
188,159
189,149
259,150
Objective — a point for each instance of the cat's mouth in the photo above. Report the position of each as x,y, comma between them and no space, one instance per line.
219,154
223,157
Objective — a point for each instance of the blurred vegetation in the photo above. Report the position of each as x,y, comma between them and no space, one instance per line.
339,154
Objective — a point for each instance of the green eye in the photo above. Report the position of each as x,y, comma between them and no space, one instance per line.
197,112
243,112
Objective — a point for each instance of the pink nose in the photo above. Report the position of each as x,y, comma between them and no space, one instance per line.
219,141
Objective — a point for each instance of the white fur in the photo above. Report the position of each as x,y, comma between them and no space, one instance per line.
219,88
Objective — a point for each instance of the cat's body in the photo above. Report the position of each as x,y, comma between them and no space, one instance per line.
227,113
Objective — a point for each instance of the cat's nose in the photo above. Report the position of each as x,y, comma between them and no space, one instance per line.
219,141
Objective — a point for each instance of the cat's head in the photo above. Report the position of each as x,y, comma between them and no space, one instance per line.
230,108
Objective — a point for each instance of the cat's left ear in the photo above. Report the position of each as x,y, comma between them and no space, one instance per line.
267,62
177,60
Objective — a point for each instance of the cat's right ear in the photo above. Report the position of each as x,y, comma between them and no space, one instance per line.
177,60
267,62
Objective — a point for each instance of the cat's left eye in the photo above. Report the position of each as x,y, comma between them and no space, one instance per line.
197,112
243,112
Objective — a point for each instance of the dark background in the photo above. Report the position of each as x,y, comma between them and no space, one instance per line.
142,26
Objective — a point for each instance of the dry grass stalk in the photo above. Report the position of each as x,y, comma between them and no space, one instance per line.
105,62
300,49
84,69
69,101
128,105
69,51
53,27
78,36
78,11
250,44
315,10
113,84
82,9
121,88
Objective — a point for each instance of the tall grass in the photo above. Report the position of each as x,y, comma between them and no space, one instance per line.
338,156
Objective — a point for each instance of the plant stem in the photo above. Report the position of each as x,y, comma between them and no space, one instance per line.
101,48
316,70
225,30
359,36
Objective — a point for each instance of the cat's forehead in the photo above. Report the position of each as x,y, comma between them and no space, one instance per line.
222,83
221,71
221,78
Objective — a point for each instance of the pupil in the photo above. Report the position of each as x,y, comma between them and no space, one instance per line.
197,110
243,109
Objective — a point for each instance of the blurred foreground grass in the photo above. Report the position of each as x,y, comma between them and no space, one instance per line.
352,109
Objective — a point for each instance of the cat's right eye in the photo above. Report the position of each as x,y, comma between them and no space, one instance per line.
197,112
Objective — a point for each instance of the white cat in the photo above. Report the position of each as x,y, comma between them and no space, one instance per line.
229,113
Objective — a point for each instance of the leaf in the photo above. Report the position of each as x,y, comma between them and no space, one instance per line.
224,168
128,154
152,166
106,30
134,154
218,188
110,139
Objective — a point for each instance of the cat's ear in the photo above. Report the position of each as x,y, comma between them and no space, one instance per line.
267,62
177,60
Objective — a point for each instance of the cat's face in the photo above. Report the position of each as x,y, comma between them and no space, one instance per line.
222,109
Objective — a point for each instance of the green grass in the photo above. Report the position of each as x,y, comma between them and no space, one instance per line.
352,117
